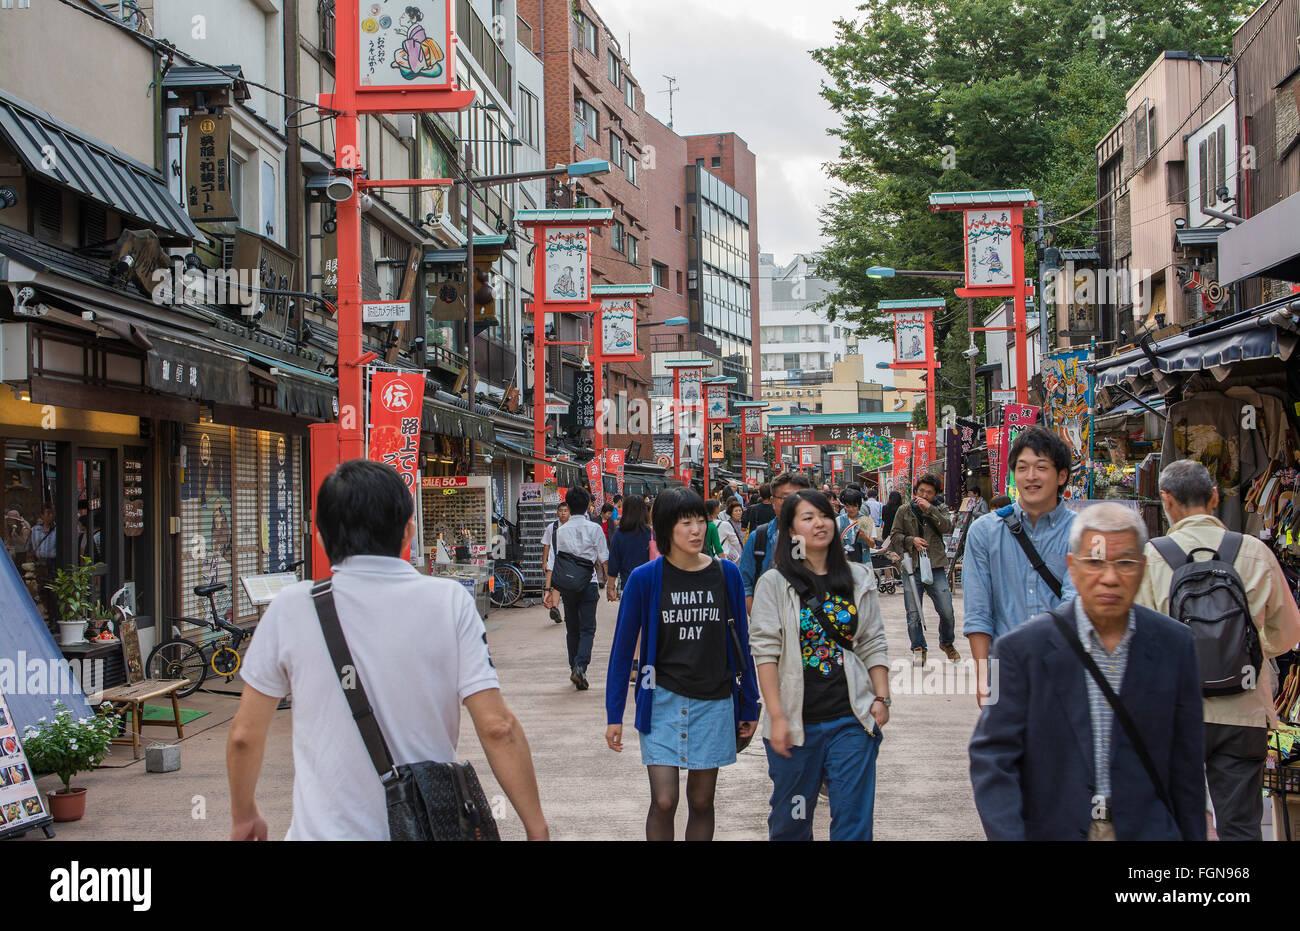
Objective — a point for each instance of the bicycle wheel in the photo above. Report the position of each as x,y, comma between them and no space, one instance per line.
178,659
513,588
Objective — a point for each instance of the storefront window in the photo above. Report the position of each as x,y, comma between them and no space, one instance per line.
29,496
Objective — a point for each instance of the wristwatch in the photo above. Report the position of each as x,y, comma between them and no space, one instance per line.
887,702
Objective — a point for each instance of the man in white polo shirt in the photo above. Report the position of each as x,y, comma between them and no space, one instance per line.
420,649
584,540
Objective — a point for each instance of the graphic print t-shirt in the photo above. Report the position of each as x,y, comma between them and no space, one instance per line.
691,657
825,688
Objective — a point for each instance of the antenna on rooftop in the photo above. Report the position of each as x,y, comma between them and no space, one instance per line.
672,89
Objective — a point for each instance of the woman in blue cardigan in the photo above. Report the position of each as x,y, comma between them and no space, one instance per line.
690,710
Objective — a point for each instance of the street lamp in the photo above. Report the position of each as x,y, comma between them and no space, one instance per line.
884,271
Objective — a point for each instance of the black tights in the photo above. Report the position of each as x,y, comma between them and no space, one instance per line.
665,783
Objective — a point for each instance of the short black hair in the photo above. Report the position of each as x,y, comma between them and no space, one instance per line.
764,491
362,509
607,508
713,505
1000,501
850,497
797,479
578,500
929,478
672,505
1042,441
617,498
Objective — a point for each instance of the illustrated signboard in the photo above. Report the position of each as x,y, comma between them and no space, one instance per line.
404,45
530,493
618,327
909,336
837,462
806,454
989,245
21,806
567,267
718,405
1068,388
752,422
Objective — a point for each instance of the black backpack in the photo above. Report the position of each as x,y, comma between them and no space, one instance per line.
1209,597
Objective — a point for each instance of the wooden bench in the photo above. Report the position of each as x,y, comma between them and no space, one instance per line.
129,700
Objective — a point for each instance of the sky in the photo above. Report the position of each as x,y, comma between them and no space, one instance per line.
743,66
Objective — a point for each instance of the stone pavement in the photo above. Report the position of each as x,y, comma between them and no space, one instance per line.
588,792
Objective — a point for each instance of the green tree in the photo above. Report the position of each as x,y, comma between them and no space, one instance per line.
955,95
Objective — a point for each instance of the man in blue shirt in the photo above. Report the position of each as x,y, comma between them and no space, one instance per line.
1002,588
784,485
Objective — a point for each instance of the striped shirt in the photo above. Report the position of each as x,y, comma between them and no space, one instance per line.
1112,666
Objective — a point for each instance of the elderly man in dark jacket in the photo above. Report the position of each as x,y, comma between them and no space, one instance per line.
1056,754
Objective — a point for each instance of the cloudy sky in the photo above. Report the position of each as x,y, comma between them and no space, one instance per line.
743,66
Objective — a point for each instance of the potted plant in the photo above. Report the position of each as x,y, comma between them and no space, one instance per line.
73,591
67,746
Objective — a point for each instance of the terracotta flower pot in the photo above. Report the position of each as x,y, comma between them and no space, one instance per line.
67,806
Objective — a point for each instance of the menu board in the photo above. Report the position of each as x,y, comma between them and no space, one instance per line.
21,805
132,497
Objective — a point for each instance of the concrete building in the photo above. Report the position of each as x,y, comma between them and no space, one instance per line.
797,342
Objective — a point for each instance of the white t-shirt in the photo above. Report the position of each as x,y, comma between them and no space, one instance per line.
420,649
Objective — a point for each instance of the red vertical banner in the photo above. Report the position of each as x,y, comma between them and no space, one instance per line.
902,471
614,465
396,402
594,480
924,452
993,445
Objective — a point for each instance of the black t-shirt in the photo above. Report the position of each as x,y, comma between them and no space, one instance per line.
825,688
692,653
758,515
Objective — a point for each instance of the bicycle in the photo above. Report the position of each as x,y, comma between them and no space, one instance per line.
507,577
180,658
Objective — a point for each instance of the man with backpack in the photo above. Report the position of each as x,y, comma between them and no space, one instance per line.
756,558
1231,592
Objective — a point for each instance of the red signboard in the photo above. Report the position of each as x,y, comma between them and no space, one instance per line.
1015,417
924,452
614,465
902,473
593,479
396,400
449,481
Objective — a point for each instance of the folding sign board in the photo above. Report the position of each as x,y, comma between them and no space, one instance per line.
22,807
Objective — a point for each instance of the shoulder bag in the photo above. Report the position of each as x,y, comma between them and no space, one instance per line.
1121,713
1017,528
426,801
738,667
571,574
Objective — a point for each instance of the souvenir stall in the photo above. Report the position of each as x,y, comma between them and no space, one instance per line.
1229,390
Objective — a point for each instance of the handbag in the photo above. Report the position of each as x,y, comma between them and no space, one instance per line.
737,670
926,571
425,801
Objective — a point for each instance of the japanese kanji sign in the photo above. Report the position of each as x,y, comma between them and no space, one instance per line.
902,471
716,447
396,400
208,185
924,450
1015,418
614,465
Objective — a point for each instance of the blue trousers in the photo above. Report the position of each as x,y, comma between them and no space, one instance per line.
843,754
940,595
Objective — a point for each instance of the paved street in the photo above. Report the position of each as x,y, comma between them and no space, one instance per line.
588,792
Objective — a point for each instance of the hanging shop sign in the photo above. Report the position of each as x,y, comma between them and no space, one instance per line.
132,497
924,452
583,407
807,456
718,407
837,462
567,267
22,806
396,401
752,422
989,245
385,311
615,465
209,188
271,268
595,484
717,450
406,47
618,327
909,336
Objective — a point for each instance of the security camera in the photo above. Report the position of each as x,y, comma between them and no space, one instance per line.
1222,193
972,352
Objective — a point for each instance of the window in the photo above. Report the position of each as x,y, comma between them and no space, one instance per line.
619,232
790,334
586,123
629,167
615,69
679,281
586,32
660,273
615,149
791,363
268,199
716,162
631,249
629,94
527,112
677,220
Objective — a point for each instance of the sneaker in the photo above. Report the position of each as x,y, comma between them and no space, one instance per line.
555,616
581,680
950,651
918,656
574,677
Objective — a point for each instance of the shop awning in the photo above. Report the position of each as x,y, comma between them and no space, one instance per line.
450,420
1256,335
1265,244
196,372
301,391
93,169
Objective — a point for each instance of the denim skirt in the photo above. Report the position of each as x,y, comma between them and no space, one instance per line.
689,733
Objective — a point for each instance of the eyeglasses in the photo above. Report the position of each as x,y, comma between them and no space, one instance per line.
1094,566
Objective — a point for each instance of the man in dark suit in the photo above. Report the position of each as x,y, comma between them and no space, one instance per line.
1050,760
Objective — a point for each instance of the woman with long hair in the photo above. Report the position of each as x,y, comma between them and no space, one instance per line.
629,546
819,646
697,695
892,504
